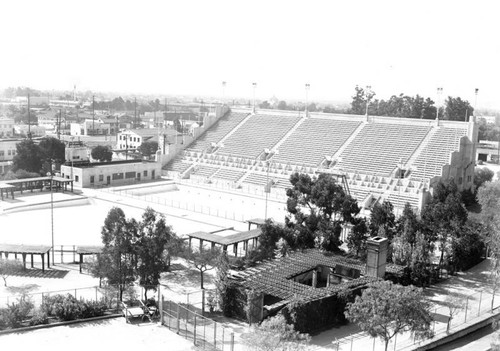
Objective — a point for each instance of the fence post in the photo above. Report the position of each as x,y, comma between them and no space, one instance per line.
480,299
466,305
223,340
232,342
395,341
373,344
352,341
96,293
194,332
62,254
203,302
74,251
178,319
215,335
75,295
161,310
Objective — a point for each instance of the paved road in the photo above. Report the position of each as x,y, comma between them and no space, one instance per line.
478,341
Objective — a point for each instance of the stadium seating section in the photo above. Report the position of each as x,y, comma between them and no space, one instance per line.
367,152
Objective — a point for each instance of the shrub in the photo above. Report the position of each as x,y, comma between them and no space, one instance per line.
50,302
16,313
90,309
68,310
39,318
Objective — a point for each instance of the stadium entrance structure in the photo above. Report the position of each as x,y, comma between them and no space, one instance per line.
379,158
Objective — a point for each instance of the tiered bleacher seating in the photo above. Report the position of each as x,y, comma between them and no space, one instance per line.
228,174
257,133
222,127
380,147
315,138
400,200
437,153
177,165
204,171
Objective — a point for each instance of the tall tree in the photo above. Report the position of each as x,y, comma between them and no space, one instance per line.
150,245
385,309
118,258
203,260
358,104
52,149
356,240
457,109
318,208
102,153
28,157
383,218
148,148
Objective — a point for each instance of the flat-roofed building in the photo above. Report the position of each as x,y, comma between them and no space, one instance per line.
6,127
111,173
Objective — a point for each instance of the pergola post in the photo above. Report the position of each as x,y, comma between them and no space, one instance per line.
81,261
48,259
24,261
213,245
43,262
224,248
201,244
31,260
190,243
235,249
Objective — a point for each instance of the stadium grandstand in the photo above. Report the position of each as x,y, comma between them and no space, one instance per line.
376,158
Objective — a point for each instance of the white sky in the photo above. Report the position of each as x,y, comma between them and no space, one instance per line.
190,47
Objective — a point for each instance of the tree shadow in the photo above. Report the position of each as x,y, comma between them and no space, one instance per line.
22,289
186,277
38,273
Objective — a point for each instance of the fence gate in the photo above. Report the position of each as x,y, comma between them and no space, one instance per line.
205,333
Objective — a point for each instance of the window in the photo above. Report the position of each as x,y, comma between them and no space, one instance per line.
145,173
101,177
13,152
117,176
2,153
129,175
91,179
9,152
460,180
77,179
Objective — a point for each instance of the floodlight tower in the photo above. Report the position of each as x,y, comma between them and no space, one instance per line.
254,85
308,87
223,91
368,98
439,93
475,101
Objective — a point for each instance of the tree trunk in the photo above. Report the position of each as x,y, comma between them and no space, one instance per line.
201,278
145,294
5,281
386,344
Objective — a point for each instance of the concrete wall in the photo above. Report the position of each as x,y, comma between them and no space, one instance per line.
112,174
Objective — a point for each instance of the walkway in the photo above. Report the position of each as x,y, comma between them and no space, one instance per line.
474,283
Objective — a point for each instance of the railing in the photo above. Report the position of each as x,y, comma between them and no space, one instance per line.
204,332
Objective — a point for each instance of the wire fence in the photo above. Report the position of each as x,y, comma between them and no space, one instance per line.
205,333
182,205
473,308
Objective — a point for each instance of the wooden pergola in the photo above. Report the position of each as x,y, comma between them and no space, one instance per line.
225,241
258,222
26,250
33,184
87,250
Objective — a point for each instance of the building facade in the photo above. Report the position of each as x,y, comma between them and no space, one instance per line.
112,173
6,127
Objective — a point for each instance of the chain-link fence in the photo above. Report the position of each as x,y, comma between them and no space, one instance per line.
205,333
471,309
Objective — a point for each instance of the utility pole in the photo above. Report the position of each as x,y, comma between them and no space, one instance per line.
135,112
308,86
93,114
29,117
59,126
254,85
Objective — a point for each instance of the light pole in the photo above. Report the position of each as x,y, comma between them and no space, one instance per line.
475,101
368,97
267,188
439,92
254,85
51,173
308,86
223,91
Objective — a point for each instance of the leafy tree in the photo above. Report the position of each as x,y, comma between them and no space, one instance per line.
358,104
102,153
481,176
383,217
203,260
319,207
150,245
467,246
222,281
117,258
282,105
488,197
356,240
457,109
443,217
28,157
454,303
148,148
9,267
385,309
275,334
265,105
52,149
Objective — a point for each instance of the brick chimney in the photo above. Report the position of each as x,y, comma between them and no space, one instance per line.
376,256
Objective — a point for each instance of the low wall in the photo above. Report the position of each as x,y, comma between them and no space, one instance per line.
81,200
